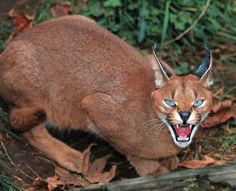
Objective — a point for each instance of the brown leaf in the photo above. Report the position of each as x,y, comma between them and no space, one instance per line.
98,165
222,105
11,13
226,47
62,9
95,172
70,178
200,163
221,113
38,184
54,183
92,173
60,180
21,21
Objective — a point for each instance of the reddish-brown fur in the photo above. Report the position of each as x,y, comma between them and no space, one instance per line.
83,77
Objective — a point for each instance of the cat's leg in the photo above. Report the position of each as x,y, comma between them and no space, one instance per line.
54,149
105,112
146,167
38,137
170,163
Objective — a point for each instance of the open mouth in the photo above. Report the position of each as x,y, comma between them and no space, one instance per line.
182,132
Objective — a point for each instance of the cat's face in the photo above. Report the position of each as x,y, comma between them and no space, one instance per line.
182,104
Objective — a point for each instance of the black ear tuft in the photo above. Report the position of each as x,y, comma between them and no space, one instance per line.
166,71
154,49
205,65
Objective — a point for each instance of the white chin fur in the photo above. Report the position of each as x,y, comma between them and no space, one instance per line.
181,144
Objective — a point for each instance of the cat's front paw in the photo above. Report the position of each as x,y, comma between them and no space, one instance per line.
170,163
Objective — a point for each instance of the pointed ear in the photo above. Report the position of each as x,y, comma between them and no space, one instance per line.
161,70
204,70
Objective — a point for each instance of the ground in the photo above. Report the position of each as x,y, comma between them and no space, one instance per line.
23,164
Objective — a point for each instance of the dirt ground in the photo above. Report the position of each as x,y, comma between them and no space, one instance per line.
24,164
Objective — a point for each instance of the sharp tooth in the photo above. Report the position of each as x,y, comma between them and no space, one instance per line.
190,126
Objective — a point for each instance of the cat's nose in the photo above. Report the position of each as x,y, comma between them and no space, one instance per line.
184,115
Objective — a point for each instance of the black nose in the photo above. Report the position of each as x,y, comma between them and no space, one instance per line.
184,115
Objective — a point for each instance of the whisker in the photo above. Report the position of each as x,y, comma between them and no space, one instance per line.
161,128
153,125
157,121
154,119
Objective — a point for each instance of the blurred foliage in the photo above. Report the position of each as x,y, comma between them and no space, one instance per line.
6,29
228,141
178,27
43,11
145,22
6,184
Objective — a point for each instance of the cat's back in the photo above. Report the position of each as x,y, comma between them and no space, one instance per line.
69,54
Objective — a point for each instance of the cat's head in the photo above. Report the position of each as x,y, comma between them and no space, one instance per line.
182,102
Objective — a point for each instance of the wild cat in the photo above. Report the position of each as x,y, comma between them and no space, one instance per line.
72,73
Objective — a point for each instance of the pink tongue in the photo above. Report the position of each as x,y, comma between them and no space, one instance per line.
183,131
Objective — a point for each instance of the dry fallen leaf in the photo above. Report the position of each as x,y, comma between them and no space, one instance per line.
226,157
69,178
200,163
92,173
221,113
227,104
61,181
95,172
62,9
21,21
38,184
55,183
226,47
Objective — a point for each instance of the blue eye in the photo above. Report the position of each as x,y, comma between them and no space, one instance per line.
170,102
198,102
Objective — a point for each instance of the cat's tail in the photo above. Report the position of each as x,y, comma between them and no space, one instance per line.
24,119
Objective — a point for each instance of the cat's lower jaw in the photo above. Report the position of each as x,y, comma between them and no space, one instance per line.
182,134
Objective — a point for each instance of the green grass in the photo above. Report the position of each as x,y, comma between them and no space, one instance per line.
43,13
228,141
192,184
6,29
144,22
7,130
6,184
4,124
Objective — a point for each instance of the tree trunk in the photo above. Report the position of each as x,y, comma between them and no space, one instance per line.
179,180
